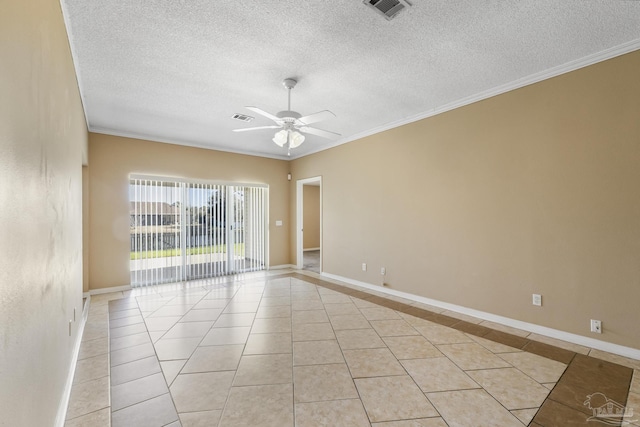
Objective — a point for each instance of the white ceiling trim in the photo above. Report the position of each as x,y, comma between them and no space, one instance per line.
133,135
175,74
516,84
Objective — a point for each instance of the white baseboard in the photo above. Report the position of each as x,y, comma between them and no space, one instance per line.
66,394
620,350
281,267
109,290
310,249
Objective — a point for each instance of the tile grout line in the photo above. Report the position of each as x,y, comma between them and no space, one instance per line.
293,383
406,373
109,360
133,298
392,304
399,307
86,315
244,346
353,380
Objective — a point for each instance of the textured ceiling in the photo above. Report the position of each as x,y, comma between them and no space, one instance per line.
177,70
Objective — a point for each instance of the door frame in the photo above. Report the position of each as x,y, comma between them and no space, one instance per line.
299,219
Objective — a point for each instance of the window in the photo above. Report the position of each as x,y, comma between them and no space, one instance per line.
190,230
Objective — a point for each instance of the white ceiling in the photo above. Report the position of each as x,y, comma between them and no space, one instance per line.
177,70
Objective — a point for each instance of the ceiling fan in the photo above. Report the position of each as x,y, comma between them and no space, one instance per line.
292,123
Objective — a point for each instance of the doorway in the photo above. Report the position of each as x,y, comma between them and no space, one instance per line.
309,216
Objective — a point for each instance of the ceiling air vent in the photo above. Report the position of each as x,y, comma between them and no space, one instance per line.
242,117
388,8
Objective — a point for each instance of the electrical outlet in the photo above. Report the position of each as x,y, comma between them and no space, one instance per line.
364,266
596,326
383,271
537,300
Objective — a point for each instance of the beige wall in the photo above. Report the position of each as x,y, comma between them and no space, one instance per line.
42,141
85,229
311,217
112,159
533,191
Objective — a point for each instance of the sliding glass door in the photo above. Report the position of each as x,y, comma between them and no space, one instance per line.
156,224
191,230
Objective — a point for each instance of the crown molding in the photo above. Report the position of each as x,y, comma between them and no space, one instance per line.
568,67
143,137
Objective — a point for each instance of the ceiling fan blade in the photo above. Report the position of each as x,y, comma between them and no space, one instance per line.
320,132
264,113
257,128
316,117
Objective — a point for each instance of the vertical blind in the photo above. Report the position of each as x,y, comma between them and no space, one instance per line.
189,230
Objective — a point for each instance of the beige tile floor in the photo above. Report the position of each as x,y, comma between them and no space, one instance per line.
263,350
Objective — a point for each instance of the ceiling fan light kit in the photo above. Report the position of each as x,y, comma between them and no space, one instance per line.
294,138
292,123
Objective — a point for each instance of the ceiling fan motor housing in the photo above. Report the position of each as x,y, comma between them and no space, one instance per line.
289,83
291,124
287,114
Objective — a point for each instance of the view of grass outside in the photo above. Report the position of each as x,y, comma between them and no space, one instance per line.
198,250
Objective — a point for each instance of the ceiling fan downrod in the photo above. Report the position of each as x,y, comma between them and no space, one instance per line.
289,84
